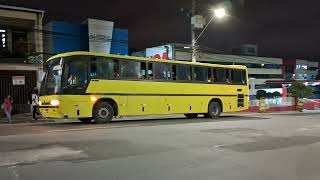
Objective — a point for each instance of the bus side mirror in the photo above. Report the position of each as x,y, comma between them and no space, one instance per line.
42,75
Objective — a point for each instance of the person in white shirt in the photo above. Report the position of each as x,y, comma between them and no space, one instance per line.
35,103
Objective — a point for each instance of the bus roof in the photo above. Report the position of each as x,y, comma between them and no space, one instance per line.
83,53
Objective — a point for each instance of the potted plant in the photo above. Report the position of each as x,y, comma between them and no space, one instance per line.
261,95
299,91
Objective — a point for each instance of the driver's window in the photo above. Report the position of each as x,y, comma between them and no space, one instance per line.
76,72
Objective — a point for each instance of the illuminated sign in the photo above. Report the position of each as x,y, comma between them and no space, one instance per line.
160,52
100,35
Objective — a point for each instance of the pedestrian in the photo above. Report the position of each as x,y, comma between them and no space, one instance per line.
8,107
35,103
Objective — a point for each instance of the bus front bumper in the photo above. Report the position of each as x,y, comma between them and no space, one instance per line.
50,112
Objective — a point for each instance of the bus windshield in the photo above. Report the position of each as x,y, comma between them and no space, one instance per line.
52,82
68,75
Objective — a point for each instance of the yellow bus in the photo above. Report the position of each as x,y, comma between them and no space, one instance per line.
97,87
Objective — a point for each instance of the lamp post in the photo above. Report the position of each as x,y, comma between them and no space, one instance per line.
193,33
218,13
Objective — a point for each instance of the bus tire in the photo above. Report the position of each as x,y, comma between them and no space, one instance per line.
103,113
191,116
214,110
86,120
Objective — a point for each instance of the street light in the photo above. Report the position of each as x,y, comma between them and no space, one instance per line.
218,13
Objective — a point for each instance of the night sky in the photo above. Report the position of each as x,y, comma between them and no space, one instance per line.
281,28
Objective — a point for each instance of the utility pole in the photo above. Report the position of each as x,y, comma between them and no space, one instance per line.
193,33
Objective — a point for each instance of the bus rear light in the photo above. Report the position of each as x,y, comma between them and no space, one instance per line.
54,102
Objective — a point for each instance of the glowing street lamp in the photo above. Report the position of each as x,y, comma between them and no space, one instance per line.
219,13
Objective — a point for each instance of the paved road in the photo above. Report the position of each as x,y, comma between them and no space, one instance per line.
262,147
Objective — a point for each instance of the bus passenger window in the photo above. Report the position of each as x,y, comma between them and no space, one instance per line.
236,76
228,76
174,72
150,71
130,69
221,75
200,73
183,72
93,68
143,70
162,71
244,76
210,75
116,68
214,75
99,68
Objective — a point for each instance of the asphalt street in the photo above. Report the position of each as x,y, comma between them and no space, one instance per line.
242,147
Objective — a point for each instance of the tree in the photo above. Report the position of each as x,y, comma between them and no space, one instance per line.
276,94
261,94
298,89
269,95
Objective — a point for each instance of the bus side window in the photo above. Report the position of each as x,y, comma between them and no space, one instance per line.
244,76
150,71
130,69
174,72
104,68
99,68
236,76
143,70
115,66
93,68
162,71
210,79
200,73
228,76
221,75
183,72
214,75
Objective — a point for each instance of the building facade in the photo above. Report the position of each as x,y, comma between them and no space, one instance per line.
92,35
21,53
260,69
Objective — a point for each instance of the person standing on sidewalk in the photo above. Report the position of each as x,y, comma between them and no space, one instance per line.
35,103
8,107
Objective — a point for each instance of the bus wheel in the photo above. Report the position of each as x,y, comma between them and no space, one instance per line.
103,113
191,116
86,120
214,110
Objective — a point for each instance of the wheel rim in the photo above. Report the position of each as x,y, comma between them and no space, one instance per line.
215,110
103,113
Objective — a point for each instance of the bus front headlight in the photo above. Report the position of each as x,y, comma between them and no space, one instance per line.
55,102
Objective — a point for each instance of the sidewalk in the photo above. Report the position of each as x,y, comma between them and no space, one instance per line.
272,113
23,118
